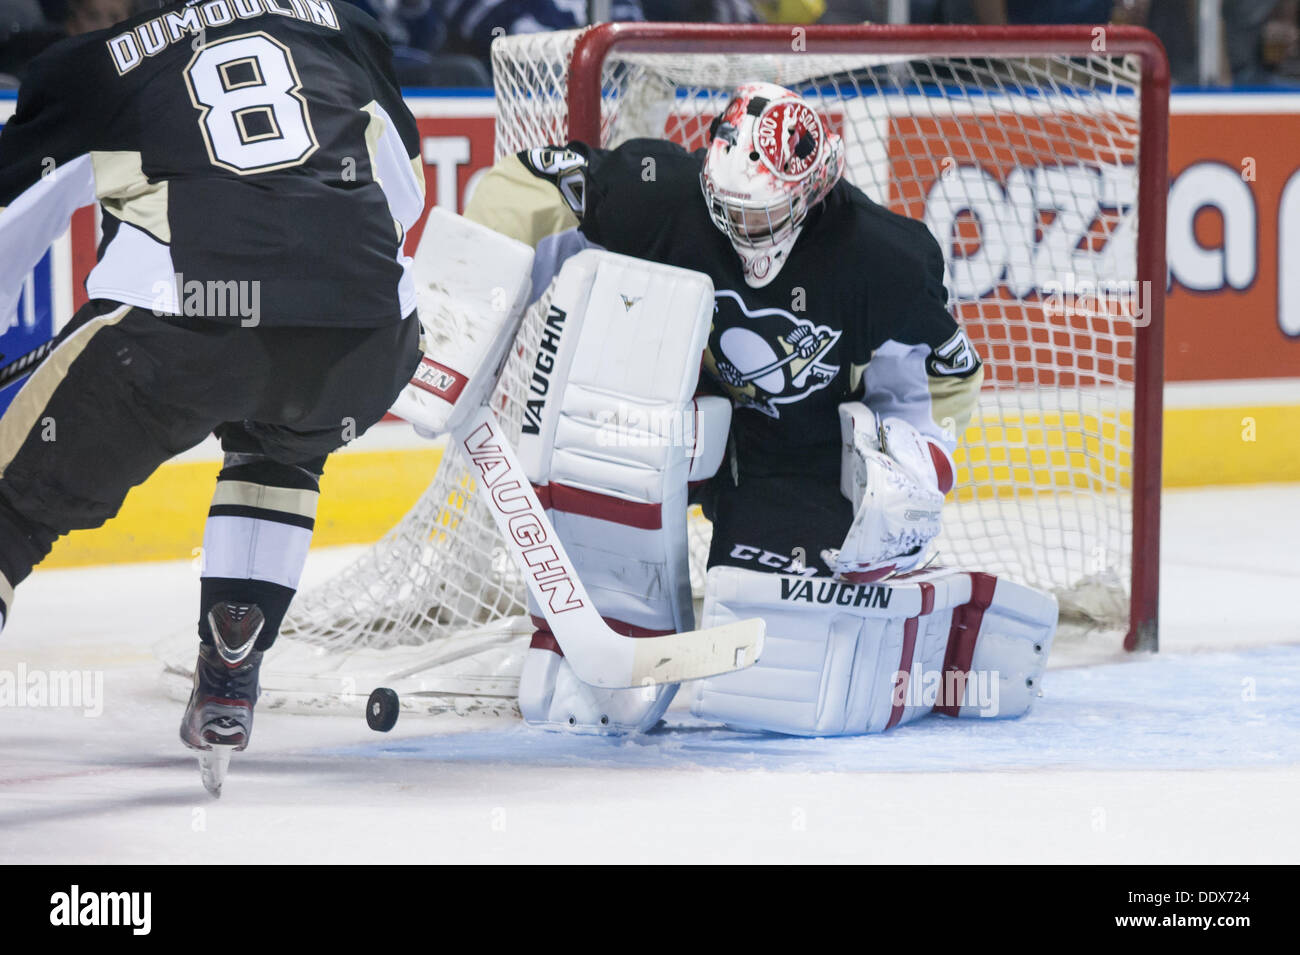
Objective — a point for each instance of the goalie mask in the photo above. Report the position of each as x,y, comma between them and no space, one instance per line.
770,159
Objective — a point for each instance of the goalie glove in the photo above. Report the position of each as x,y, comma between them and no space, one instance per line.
896,478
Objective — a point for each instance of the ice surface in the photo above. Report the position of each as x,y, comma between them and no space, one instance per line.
1192,755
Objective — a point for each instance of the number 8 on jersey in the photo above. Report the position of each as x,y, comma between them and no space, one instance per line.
253,118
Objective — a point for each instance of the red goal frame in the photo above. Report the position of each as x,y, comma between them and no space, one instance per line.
584,108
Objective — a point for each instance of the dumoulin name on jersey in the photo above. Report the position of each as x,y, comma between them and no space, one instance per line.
253,160
154,35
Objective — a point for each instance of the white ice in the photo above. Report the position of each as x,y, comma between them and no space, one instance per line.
1191,755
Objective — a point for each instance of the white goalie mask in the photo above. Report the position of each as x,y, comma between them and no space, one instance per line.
770,159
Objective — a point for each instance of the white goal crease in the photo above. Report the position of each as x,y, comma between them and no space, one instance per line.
1044,491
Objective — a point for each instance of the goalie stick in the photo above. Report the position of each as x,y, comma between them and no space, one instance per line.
599,655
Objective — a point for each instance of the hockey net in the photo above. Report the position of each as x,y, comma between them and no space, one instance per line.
1031,154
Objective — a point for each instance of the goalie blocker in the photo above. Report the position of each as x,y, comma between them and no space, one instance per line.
471,288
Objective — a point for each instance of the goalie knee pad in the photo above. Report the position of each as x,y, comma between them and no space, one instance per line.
610,433
845,659
471,288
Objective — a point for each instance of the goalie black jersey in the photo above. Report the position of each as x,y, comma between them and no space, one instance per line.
858,311
253,159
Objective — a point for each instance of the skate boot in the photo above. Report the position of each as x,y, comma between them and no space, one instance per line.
219,718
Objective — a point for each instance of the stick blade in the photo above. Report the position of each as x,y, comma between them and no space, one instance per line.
676,657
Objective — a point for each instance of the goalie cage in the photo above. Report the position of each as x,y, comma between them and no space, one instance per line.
1032,153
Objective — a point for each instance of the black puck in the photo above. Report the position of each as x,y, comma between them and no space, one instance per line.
382,709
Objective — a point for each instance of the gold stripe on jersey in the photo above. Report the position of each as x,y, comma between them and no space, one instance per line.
953,399
514,202
417,170
127,193
25,411
375,128
287,500
374,133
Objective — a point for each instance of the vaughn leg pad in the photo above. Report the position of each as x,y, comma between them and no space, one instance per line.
846,659
610,431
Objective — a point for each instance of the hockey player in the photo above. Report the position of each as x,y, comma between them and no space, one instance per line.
257,172
848,379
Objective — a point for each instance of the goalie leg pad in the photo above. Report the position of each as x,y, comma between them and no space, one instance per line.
471,288
551,697
846,659
1003,636
610,432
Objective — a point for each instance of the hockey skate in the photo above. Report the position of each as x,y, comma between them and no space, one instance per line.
218,720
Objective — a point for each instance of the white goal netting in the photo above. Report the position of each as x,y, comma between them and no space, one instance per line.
1024,168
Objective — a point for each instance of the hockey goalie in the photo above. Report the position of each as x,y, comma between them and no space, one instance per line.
817,432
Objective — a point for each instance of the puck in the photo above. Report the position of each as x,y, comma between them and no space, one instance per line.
382,709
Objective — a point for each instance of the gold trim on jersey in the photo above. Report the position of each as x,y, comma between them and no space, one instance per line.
953,399
127,193
287,500
514,202
375,129
25,411
417,170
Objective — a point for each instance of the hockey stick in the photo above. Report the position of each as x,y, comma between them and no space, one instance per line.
25,364
599,656
749,376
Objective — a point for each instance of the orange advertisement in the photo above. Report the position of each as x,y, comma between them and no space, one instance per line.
1233,306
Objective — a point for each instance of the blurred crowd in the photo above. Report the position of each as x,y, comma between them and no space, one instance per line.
444,43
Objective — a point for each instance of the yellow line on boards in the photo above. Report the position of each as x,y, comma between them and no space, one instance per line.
364,493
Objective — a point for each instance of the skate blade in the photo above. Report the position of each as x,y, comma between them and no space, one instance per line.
213,764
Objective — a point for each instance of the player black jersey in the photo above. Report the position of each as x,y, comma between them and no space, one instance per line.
253,159
858,311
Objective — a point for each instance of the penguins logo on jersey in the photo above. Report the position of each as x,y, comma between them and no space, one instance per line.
767,357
